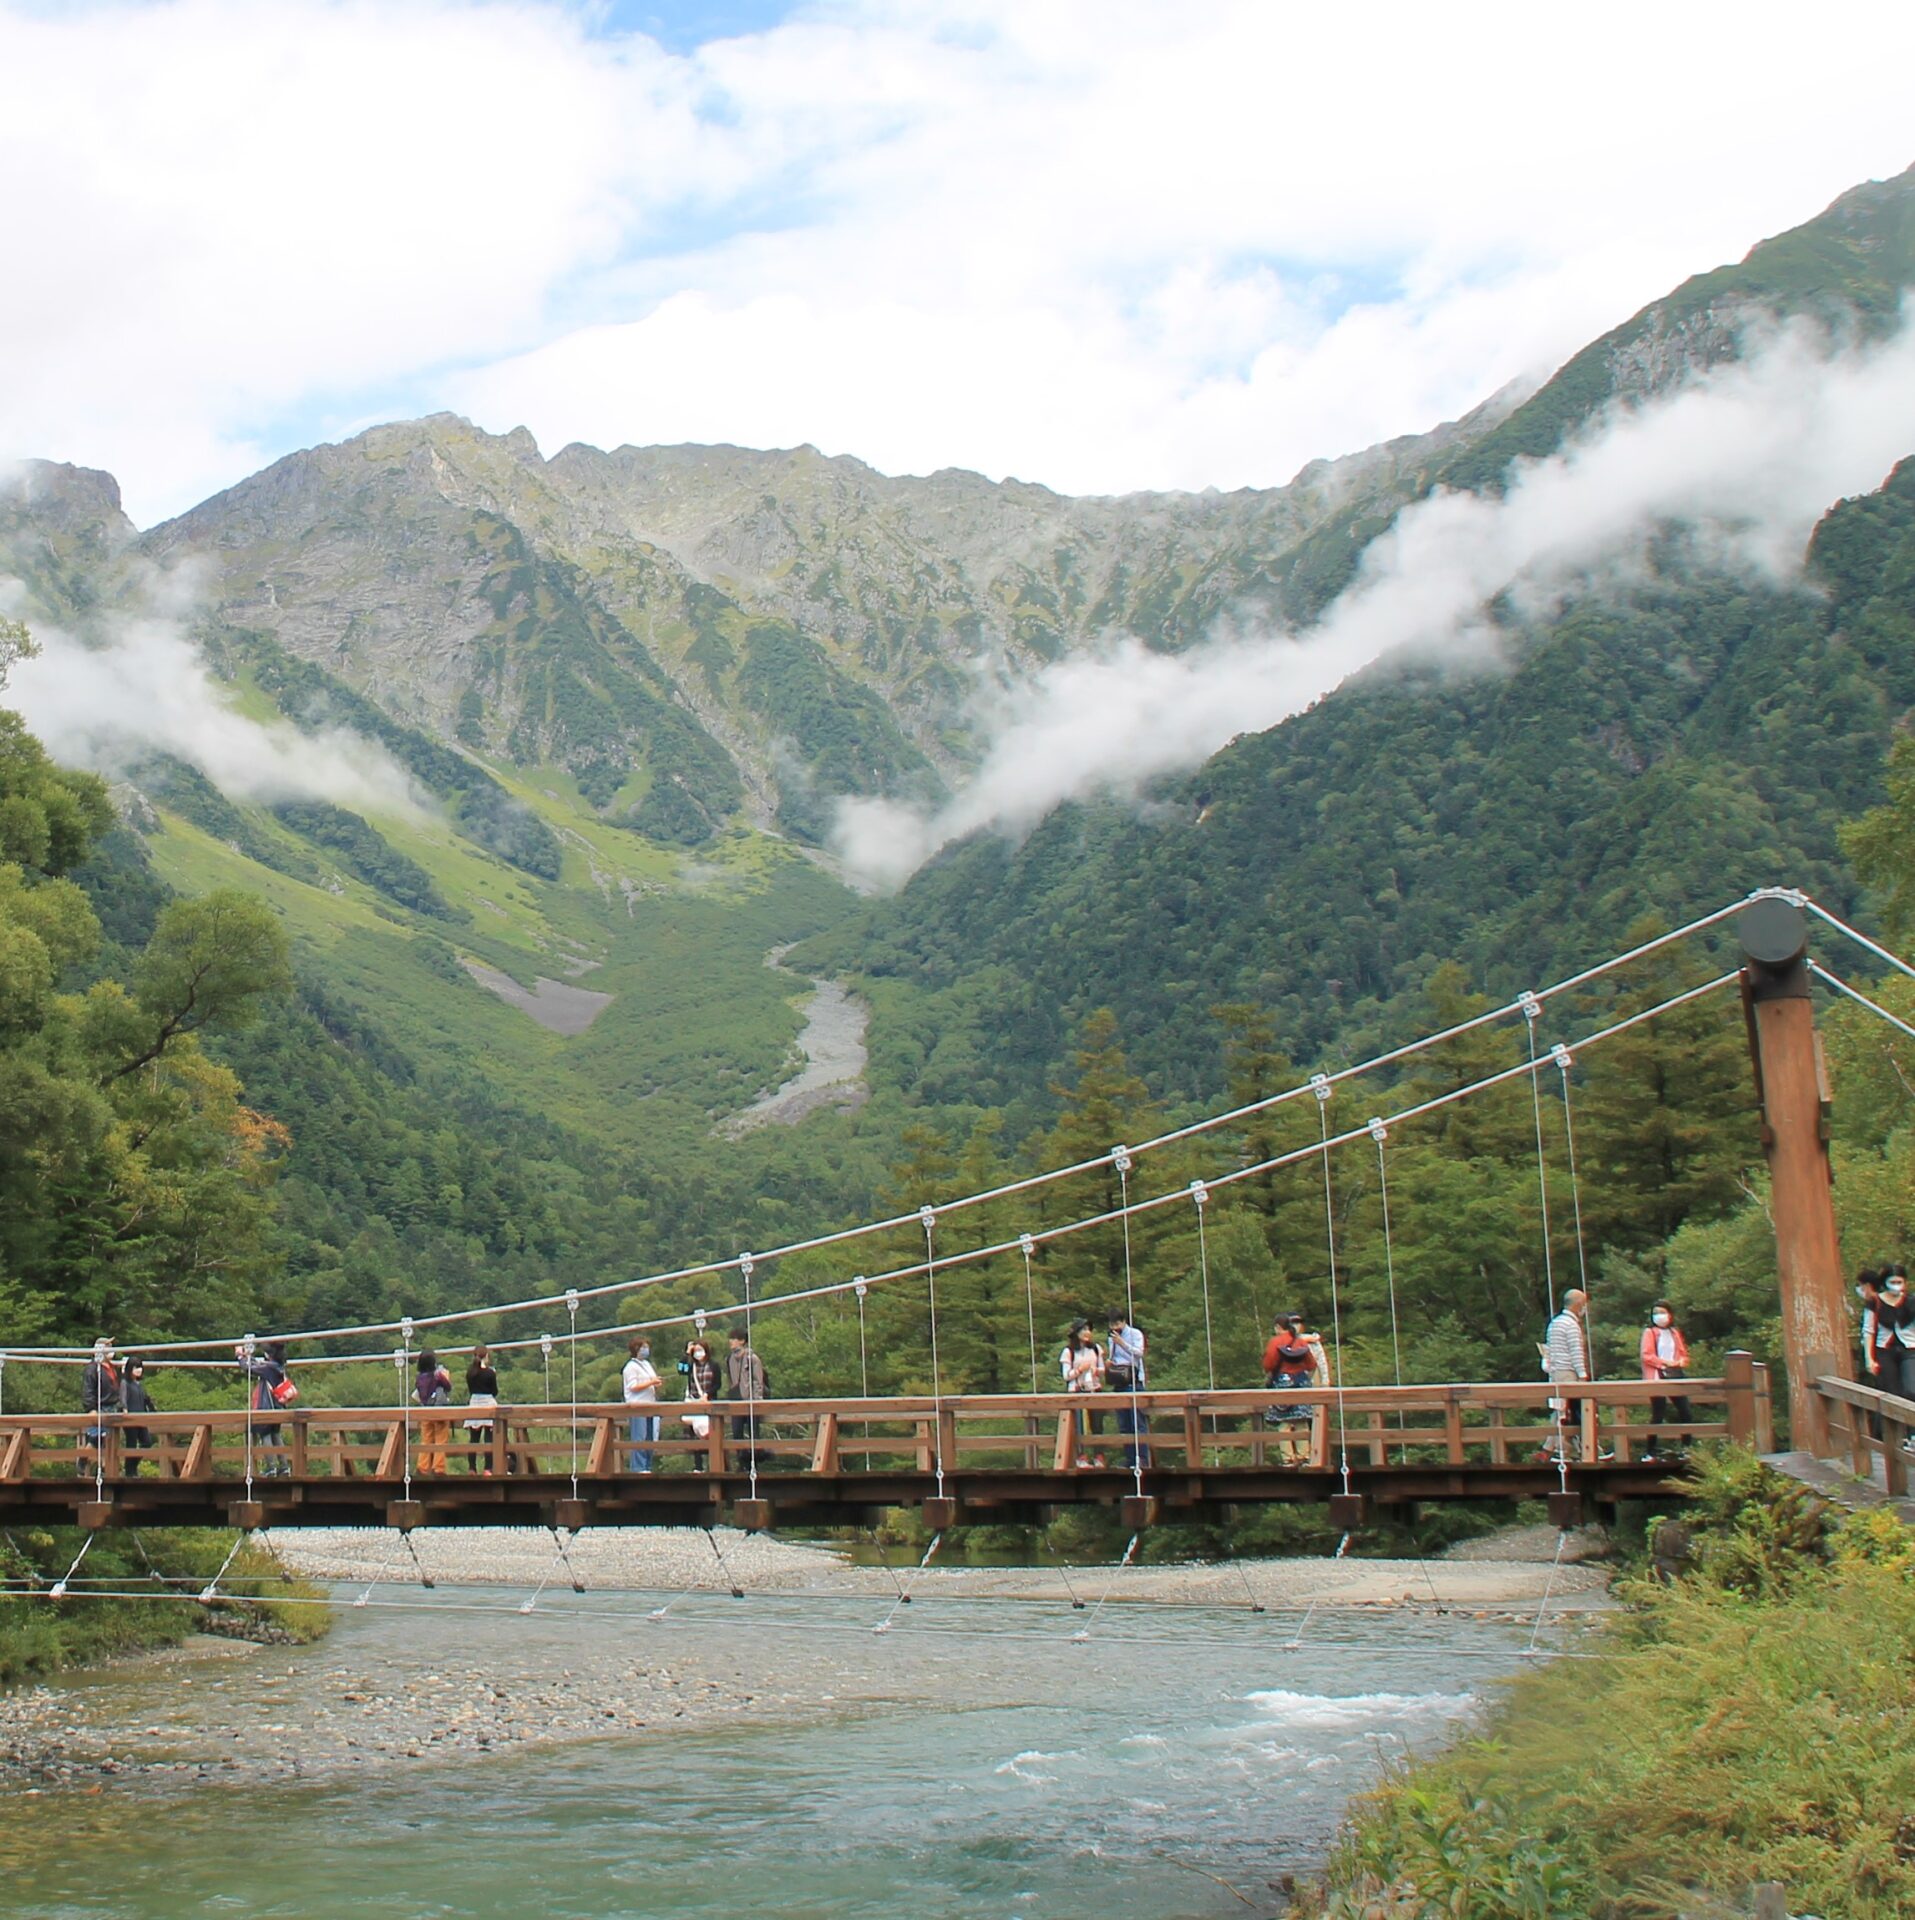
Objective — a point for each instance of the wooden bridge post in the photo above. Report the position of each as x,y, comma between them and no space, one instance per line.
1792,1087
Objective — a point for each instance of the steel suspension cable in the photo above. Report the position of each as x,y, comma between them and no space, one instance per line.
1532,1012
1120,1159
1027,1246
1379,1133
1323,1092
746,1266
928,1217
1053,1175
1200,1198
1842,986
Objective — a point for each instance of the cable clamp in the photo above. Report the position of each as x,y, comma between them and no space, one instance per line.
545,1345
1562,1056
860,1286
746,1266
698,1319
249,1345
1531,1006
405,1329
1321,1087
571,1301
1200,1193
929,1216
1120,1159
1026,1244
398,1359
1378,1131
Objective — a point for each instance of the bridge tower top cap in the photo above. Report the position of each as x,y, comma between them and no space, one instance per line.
1772,932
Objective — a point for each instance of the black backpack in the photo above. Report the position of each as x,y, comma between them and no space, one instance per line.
433,1392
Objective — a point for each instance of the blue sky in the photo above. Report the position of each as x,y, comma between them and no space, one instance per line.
1103,244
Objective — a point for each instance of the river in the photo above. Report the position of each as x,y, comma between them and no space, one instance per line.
978,1758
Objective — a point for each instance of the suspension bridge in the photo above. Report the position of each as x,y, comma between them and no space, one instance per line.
568,1463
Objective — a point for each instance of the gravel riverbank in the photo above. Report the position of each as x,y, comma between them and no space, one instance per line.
654,1647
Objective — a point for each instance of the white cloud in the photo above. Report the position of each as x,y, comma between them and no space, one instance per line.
1098,243
142,687
1750,456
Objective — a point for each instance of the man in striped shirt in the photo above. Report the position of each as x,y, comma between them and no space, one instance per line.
1566,1361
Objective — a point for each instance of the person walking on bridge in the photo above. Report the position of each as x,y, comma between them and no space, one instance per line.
1888,1336
1566,1361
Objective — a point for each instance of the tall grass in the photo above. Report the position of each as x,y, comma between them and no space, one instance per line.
1753,1721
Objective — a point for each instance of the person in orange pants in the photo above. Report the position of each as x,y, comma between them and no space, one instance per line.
433,1389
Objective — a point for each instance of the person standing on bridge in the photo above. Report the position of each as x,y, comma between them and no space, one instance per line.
135,1399
433,1390
270,1389
702,1381
1082,1365
640,1386
1665,1357
749,1382
99,1394
1566,1361
482,1394
1290,1359
1124,1373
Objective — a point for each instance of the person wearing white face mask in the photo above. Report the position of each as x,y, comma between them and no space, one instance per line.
1665,1357
640,1383
1888,1336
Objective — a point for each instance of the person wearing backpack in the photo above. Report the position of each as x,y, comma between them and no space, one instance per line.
271,1389
433,1389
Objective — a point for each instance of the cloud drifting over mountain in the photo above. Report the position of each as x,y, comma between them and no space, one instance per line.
143,688
1102,244
1748,456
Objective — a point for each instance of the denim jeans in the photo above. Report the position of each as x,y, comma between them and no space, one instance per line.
641,1431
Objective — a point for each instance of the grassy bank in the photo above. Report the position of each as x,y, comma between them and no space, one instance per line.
1750,1720
40,1635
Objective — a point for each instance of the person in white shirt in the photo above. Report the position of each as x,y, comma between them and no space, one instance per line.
641,1390
1124,1373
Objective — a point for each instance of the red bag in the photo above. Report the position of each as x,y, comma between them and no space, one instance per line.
284,1393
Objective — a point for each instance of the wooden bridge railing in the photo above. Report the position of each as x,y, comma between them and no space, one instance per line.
1496,1423
1875,1425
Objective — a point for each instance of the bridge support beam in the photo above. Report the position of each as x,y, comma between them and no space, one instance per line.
1792,1086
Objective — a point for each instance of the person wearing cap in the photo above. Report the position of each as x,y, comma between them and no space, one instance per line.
99,1394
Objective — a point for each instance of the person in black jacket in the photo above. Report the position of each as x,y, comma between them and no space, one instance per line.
134,1398
99,1394
266,1371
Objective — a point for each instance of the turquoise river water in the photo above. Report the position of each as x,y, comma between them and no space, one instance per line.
979,1759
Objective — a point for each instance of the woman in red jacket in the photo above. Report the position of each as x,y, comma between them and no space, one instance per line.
1665,1357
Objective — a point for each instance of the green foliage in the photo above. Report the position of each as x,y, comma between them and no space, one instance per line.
42,1636
1752,1722
367,855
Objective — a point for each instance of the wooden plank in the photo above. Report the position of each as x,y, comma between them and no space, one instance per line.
392,1455
1193,1436
1453,1433
1064,1452
16,1463
824,1444
198,1464
604,1437
1498,1439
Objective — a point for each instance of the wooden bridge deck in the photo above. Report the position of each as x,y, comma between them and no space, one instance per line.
1006,1457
